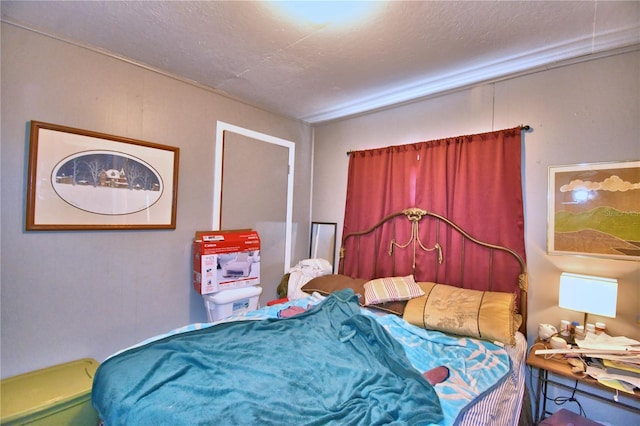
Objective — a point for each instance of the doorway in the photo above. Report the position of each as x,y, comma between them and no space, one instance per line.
253,189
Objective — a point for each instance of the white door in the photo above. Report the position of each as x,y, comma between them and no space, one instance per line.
255,192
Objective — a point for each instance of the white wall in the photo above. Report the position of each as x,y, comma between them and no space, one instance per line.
68,295
586,112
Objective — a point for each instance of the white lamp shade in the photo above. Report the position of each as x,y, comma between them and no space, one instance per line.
584,293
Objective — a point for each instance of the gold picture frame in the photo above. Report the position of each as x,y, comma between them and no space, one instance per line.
594,210
84,180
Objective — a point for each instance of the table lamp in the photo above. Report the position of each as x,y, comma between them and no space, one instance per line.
588,294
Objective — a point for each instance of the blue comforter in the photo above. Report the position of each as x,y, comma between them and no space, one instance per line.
328,365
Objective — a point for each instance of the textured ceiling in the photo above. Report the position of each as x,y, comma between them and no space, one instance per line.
404,51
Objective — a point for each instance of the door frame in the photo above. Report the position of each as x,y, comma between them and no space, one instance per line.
221,127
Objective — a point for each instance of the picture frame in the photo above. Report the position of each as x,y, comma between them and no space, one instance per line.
85,180
594,210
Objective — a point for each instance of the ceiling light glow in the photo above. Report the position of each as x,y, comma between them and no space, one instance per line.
324,13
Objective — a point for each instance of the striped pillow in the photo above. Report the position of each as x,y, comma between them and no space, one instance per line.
391,289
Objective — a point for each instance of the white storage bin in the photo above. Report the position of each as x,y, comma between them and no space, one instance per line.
230,302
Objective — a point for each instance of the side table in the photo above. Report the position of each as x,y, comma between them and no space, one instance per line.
558,365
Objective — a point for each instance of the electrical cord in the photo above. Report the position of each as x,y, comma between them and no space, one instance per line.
561,400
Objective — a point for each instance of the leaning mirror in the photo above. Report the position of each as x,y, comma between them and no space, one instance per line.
323,242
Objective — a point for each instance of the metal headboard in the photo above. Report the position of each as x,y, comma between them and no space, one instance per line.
415,215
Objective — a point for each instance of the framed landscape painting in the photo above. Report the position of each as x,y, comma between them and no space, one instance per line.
83,180
594,210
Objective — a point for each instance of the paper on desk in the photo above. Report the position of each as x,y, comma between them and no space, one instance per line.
623,358
617,385
616,381
605,342
624,365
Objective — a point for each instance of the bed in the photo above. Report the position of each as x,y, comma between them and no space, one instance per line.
347,352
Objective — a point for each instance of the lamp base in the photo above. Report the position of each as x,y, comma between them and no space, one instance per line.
570,341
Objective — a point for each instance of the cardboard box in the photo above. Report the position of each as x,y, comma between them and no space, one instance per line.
224,260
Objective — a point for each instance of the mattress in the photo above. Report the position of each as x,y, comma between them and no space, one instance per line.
502,406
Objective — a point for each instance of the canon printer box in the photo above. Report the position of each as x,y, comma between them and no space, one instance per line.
225,259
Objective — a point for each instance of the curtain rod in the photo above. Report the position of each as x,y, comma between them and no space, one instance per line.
523,127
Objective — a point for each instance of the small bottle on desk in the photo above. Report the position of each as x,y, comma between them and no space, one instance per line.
580,333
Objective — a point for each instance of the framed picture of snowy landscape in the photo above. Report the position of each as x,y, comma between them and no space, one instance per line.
83,180
594,210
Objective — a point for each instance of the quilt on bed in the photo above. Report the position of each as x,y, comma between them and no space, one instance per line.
276,371
467,359
475,366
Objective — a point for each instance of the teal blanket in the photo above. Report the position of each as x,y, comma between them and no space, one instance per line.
328,365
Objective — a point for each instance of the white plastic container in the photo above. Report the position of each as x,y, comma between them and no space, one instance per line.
231,302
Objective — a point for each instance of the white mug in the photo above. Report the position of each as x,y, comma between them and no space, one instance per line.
546,331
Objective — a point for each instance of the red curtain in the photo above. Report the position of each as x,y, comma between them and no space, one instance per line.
473,180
